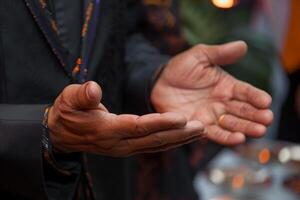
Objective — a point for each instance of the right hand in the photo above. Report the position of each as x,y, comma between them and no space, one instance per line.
78,122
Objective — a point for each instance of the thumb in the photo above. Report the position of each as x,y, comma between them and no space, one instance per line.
86,96
225,54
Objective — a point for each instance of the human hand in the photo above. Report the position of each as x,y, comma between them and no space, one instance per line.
78,122
195,85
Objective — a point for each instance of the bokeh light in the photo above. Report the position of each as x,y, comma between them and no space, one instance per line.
225,3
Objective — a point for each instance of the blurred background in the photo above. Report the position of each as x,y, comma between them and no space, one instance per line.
264,169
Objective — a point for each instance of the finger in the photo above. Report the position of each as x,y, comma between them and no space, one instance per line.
137,126
224,137
162,139
224,54
86,96
167,147
66,142
235,124
246,111
245,92
102,107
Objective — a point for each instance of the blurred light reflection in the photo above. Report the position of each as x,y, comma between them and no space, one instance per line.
225,3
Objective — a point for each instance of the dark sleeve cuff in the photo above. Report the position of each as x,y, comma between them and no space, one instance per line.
20,150
23,171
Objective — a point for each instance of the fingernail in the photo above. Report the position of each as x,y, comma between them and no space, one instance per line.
87,90
91,92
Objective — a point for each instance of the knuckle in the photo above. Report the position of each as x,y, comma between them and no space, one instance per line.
140,128
157,140
246,110
224,137
232,124
249,128
221,135
67,96
63,102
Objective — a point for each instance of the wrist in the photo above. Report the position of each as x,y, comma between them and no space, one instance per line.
52,131
51,155
50,127
47,148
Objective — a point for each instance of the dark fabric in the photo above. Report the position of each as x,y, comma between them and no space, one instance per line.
161,176
59,186
20,163
31,76
289,126
138,71
69,24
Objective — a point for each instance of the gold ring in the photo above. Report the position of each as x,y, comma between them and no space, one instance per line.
221,118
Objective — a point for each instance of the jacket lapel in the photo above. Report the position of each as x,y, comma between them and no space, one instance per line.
47,30
103,30
101,35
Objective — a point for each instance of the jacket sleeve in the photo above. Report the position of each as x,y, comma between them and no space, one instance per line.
23,170
143,62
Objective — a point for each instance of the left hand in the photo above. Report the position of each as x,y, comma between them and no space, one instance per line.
194,84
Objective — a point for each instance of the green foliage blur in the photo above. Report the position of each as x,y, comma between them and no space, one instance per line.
204,23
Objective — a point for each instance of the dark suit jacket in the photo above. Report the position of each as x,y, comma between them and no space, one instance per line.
123,63
31,77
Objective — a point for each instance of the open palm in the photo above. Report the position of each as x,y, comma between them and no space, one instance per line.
193,83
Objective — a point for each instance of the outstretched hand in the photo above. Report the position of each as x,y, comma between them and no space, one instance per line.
78,122
194,84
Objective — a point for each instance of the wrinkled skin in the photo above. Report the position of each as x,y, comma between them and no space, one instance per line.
195,96
194,84
78,122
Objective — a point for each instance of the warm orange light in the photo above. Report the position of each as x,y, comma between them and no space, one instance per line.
237,182
224,3
264,156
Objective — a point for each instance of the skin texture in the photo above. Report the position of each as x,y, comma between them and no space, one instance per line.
78,122
196,97
194,84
